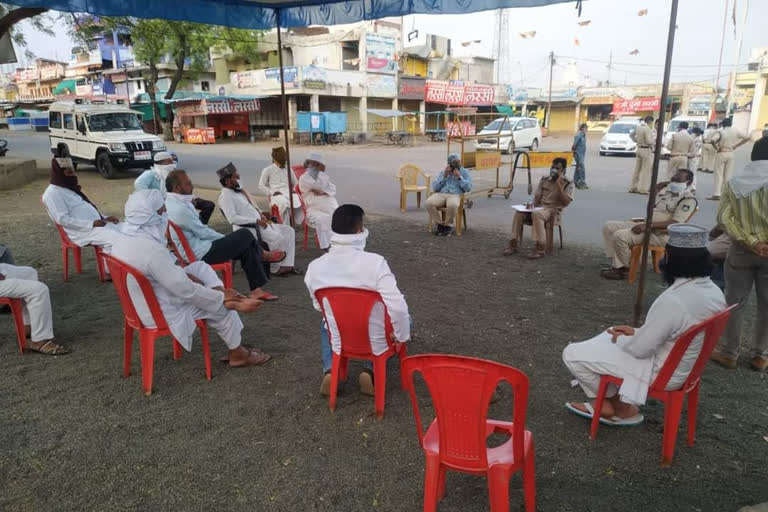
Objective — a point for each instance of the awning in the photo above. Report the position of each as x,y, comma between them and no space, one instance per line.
263,14
388,113
65,87
505,110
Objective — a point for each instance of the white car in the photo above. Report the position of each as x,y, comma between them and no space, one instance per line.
516,132
617,139
109,136
693,122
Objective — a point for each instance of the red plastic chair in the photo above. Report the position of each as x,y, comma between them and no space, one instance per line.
18,319
351,308
225,268
77,253
276,214
147,335
673,400
305,221
456,440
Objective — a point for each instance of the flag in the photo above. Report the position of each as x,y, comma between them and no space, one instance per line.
642,12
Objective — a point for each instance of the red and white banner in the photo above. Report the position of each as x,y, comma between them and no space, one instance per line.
449,93
636,105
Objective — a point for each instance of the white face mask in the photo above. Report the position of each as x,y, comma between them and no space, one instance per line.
165,169
676,187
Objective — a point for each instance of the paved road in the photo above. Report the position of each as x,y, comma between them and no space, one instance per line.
365,175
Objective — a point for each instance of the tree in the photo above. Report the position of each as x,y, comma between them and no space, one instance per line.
10,16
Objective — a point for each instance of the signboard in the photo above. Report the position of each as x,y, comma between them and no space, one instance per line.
380,54
487,160
83,90
49,72
412,88
543,159
232,106
382,86
290,75
454,94
466,127
313,77
636,105
196,108
199,136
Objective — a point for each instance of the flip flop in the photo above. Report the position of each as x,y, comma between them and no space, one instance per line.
293,272
225,357
578,412
615,421
276,260
49,348
261,358
267,297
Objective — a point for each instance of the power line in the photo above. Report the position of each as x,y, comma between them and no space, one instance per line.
597,61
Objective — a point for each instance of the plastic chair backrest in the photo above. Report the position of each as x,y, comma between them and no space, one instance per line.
712,328
120,272
298,170
301,201
461,390
409,174
184,244
64,236
351,308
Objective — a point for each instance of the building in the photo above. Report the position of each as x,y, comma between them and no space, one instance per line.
36,84
748,93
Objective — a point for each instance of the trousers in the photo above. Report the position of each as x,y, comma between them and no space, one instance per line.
743,270
641,175
708,155
279,237
723,170
539,218
22,283
239,245
580,173
675,163
448,201
619,239
225,322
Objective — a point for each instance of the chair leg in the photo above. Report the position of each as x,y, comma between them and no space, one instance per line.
177,350
693,409
529,480
403,200
498,489
65,260
206,350
99,264
403,380
441,483
418,199
127,349
560,228
18,322
334,381
306,232
78,254
379,385
634,263
657,255
431,483
598,407
673,409
147,346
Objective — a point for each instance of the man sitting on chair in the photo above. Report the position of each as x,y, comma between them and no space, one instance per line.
674,204
553,194
242,212
449,185
273,183
184,295
348,265
637,355
319,196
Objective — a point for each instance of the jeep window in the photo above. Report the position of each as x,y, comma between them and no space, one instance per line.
114,122
80,124
54,119
69,122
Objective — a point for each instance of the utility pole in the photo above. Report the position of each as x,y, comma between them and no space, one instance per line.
610,65
712,112
549,103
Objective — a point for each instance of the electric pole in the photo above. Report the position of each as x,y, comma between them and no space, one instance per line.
549,103
610,65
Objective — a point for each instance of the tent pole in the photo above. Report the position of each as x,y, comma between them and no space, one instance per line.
655,171
284,104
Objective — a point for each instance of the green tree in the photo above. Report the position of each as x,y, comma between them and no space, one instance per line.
11,15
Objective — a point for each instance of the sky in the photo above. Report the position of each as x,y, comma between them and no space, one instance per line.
614,27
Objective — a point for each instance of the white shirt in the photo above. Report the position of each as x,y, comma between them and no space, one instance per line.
274,179
76,216
237,209
176,293
347,264
315,202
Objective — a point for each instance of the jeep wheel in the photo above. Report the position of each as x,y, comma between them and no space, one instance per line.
104,165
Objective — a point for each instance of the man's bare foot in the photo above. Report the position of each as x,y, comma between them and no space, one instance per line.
621,409
273,256
242,356
607,410
244,304
260,294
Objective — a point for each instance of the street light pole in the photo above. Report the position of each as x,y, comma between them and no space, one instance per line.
713,104
284,104
549,103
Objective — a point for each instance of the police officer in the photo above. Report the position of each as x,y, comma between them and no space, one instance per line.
681,147
641,176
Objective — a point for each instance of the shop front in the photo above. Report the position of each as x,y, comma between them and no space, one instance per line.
201,121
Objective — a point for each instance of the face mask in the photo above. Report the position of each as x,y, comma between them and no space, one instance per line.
553,174
313,171
676,187
455,165
165,169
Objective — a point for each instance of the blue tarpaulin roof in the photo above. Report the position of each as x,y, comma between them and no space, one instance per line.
293,13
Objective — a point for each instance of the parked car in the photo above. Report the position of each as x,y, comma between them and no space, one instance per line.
524,131
617,139
693,122
107,135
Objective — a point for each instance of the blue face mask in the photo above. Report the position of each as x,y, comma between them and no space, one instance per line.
313,171
676,187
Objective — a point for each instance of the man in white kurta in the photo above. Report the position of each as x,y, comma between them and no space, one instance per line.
273,183
242,213
637,355
347,264
319,197
22,283
71,209
184,295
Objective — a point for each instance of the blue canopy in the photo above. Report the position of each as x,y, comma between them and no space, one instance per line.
293,13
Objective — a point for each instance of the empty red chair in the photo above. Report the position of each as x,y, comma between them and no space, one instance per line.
305,222
147,335
673,400
18,319
456,440
225,268
77,253
351,309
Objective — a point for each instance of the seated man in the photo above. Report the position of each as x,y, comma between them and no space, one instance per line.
69,207
448,186
22,283
184,295
675,203
273,183
347,264
553,194
213,247
319,197
637,355
242,212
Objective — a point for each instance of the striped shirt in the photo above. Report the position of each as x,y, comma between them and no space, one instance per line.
745,219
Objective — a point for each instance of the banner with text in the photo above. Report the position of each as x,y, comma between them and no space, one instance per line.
380,54
456,93
636,105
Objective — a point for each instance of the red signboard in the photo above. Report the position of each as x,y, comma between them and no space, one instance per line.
464,128
636,105
450,93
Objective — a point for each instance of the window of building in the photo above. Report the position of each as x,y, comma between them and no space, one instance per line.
54,119
433,42
138,84
69,122
205,86
449,47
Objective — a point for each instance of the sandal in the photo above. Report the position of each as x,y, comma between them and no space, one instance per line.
279,256
48,348
225,357
293,272
254,359
267,297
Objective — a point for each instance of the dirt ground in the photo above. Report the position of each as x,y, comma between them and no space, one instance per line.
75,435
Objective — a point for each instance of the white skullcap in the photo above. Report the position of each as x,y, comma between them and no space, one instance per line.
687,236
317,157
163,155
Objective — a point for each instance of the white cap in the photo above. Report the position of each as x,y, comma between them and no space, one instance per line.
317,157
687,236
163,155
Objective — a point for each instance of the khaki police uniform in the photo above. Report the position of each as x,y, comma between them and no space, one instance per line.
708,150
681,147
547,198
619,238
641,175
725,141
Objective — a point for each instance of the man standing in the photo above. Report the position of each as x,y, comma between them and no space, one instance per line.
319,197
579,149
744,216
449,185
641,175
681,147
213,247
553,194
726,141
273,183
708,150
242,212
674,204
